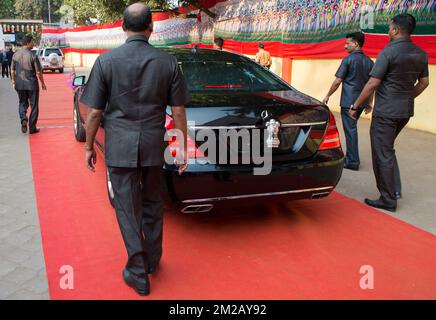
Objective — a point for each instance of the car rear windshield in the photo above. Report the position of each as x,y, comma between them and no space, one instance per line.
228,76
50,51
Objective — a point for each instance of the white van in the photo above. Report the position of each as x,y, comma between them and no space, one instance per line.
51,59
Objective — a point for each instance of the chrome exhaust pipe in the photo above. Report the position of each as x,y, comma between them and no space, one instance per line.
320,195
201,208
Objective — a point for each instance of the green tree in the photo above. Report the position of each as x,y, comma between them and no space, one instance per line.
28,9
54,10
84,10
198,5
105,10
110,10
7,9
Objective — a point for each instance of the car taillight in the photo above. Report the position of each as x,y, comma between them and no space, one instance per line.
331,138
193,152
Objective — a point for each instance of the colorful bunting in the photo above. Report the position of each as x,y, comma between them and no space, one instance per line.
19,27
292,27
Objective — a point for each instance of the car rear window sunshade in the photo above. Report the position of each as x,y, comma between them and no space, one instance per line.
223,86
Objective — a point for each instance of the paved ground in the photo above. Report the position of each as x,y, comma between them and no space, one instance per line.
415,154
22,268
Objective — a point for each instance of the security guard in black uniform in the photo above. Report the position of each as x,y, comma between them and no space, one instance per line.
25,72
353,73
132,85
400,74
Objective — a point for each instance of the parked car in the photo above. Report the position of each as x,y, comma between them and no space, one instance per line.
230,91
51,59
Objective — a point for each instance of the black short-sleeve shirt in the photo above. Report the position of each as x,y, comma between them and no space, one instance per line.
399,66
26,66
134,84
354,72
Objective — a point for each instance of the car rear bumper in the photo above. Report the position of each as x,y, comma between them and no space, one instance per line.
204,185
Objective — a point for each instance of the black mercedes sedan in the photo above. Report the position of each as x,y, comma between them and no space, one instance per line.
252,138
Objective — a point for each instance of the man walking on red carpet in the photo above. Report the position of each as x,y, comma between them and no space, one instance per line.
25,71
400,74
133,84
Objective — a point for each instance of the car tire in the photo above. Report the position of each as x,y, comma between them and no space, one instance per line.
110,190
61,70
79,129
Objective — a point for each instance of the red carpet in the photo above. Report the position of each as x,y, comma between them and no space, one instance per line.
299,250
56,102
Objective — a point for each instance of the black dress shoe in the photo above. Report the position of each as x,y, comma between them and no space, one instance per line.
354,168
24,126
141,287
379,204
398,195
33,131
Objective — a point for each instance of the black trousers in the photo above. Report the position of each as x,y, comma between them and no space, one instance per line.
139,209
5,69
383,133
350,130
27,97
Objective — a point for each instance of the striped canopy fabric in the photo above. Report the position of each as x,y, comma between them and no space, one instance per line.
288,28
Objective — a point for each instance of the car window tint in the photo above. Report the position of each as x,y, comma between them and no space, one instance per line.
225,76
50,51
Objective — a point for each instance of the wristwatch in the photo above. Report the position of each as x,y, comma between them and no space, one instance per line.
353,108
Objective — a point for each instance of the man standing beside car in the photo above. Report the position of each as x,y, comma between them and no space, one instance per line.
25,71
263,57
218,43
134,107
353,73
400,74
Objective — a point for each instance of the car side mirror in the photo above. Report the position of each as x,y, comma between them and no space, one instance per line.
79,81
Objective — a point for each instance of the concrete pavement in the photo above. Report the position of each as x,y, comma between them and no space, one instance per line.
22,267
